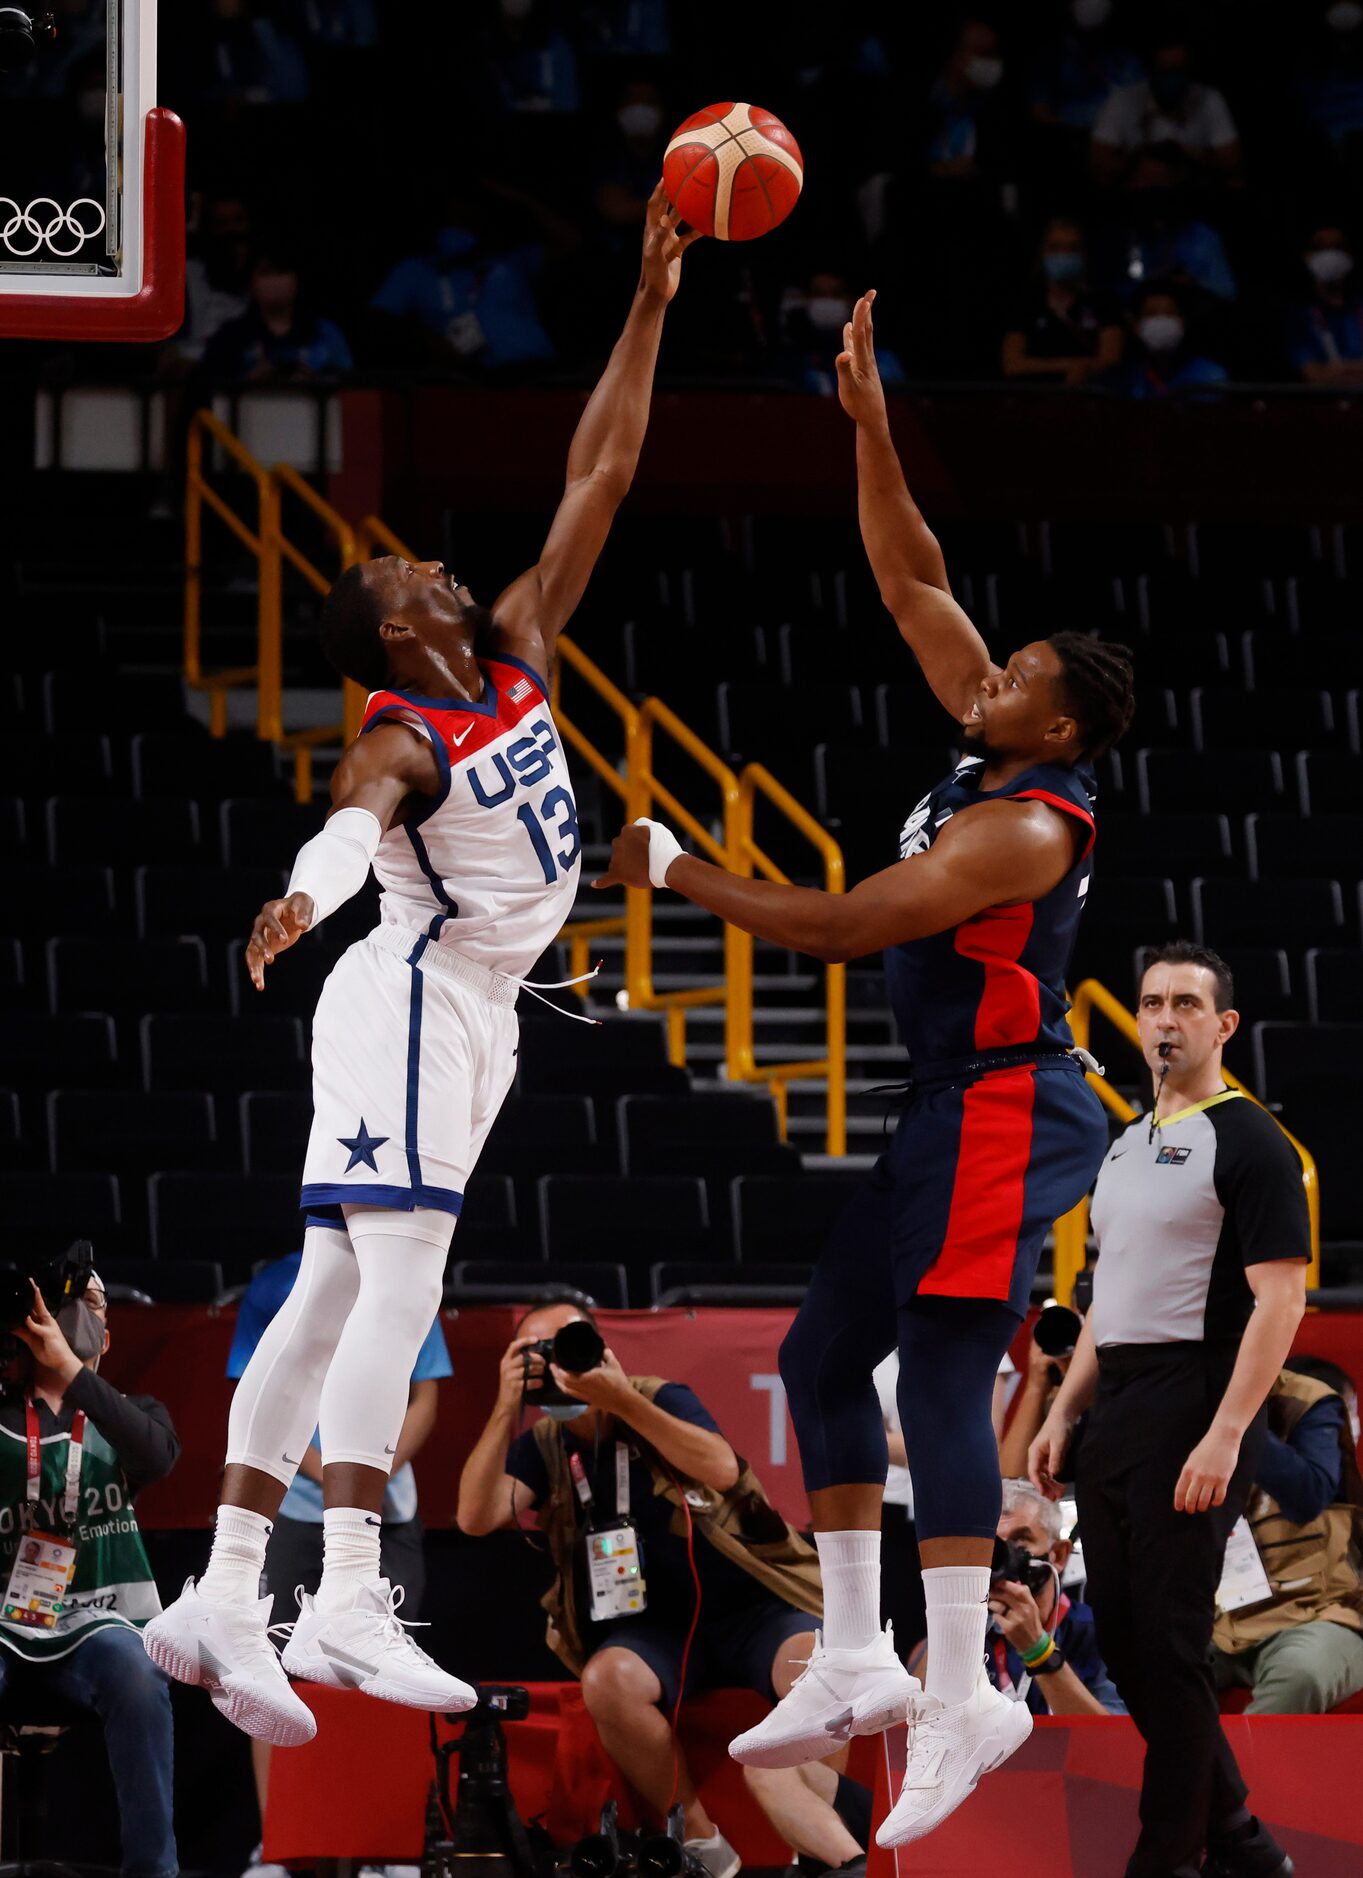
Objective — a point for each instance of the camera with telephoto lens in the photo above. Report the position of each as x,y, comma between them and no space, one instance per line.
1019,1566
61,1281
610,1853
1056,1334
576,1347
478,1833
20,34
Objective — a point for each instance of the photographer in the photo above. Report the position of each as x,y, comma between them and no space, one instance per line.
73,1453
619,1468
1048,1360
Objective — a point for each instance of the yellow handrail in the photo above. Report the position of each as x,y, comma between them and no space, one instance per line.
638,788
1071,1232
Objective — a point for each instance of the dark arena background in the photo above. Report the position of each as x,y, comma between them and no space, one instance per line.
1120,322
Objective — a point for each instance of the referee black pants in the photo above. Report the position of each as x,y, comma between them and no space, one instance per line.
1152,1578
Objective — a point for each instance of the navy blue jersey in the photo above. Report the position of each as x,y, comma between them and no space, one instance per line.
996,981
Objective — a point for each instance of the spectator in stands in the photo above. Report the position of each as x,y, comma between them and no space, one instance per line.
532,62
757,1580
279,339
1329,84
964,106
248,58
217,278
631,171
633,29
1077,72
1169,107
1058,330
1298,1646
823,1816
293,1556
91,1656
1326,326
1161,237
1161,358
473,301
812,320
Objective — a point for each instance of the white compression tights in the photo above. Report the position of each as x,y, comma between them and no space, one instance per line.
340,1352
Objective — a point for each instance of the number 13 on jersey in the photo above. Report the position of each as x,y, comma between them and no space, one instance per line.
550,821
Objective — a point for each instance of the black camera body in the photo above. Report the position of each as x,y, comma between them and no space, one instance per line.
1020,1566
576,1347
61,1280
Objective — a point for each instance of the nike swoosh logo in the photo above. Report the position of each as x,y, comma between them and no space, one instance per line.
1118,1155
289,1461
369,1520
388,1450
456,741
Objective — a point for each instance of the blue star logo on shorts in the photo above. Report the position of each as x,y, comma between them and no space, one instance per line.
362,1147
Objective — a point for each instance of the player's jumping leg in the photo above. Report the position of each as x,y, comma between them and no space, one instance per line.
214,1635
854,1682
349,1635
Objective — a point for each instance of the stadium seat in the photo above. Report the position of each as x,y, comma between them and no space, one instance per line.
714,1136
207,901
266,833
44,1213
275,1125
1287,718
1235,780
36,767
733,1285
632,1221
620,1056
1226,912
37,1051
183,763
783,1219
1329,782
293,983
1119,909
234,1219
18,1150
1170,601
1318,603
14,832
1141,844
128,977
15,992
1334,985
164,1281
543,1134
84,703
1290,847
499,1281
229,1053
488,1226
779,725
40,900
1312,1072
1161,719
907,718
1264,991
131,1133
92,831
1274,660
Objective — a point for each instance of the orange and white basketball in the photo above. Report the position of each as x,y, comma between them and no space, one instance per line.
733,171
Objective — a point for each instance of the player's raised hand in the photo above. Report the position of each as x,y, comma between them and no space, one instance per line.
859,386
278,925
664,246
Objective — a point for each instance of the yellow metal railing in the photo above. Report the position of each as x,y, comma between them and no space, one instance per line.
634,783
1071,1232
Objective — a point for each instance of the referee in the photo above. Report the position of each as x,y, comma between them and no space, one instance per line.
1201,1224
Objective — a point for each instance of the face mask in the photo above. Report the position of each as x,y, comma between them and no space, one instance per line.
1330,264
452,243
1170,89
1062,266
1161,332
827,313
639,120
1088,15
984,73
1355,1426
564,1411
82,1329
1346,17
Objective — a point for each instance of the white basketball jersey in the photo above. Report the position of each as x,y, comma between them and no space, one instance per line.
490,867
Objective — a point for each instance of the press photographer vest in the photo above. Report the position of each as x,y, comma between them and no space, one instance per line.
1316,1570
740,1523
113,1582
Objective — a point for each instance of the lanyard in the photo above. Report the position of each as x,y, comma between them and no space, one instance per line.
583,1485
75,1453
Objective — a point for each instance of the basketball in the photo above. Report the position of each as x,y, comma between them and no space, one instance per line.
733,171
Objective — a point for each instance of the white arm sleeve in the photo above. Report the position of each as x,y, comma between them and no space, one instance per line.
334,865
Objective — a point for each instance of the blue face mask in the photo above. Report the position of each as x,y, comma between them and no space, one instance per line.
451,244
1062,266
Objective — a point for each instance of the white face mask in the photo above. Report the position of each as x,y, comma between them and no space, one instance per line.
828,313
1161,332
1344,17
639,120
1330,264
984,73
1355,1426
1088,15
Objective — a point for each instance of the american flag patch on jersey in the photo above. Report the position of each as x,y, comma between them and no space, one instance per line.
521,689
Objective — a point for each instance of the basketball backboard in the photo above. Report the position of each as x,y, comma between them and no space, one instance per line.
92,218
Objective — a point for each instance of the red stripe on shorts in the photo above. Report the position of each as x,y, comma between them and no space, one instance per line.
976,1260
1010,1004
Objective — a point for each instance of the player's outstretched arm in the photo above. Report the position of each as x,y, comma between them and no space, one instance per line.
903,551
368,787
603,455
1001,854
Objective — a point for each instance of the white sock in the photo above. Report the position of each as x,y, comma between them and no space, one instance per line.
350,1555
957,1598
238,1556
849,1563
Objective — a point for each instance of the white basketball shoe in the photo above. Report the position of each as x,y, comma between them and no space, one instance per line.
369,1647
226,1649
838,1694
950,1750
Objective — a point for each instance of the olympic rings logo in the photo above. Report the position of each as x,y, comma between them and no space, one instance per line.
39,234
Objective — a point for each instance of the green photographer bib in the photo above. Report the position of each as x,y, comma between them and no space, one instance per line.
113,1583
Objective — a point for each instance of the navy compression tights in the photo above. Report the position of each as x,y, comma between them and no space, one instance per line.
949,1354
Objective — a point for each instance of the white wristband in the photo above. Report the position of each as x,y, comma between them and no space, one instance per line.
334,865
663,849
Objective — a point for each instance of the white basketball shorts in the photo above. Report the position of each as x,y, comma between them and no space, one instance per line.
413,1051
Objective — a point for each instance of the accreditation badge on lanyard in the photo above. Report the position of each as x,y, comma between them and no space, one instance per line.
45,1563
614,1555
